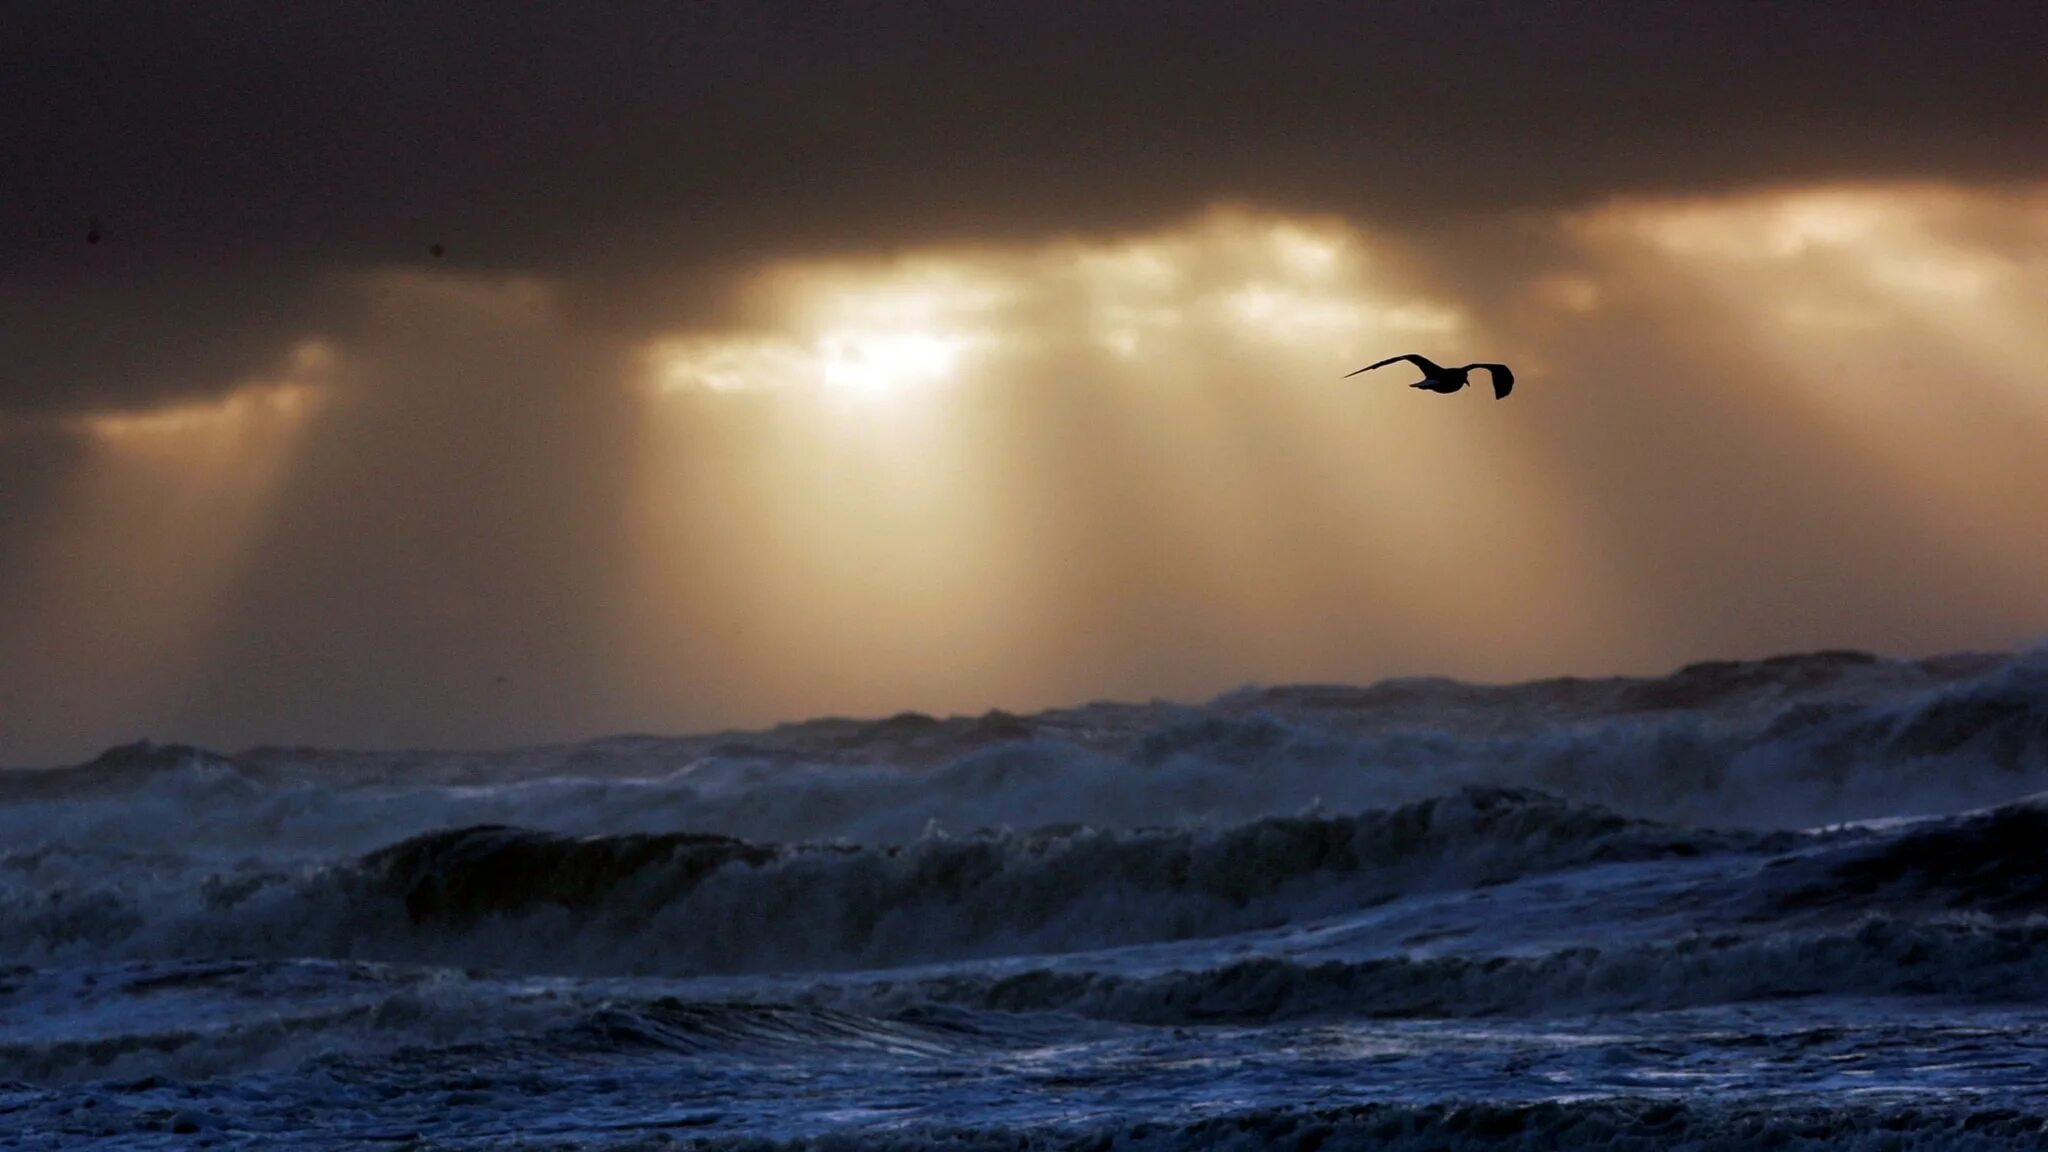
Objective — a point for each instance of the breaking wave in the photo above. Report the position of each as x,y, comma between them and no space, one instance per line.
1023,925
682,904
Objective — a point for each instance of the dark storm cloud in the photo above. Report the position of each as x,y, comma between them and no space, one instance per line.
239,152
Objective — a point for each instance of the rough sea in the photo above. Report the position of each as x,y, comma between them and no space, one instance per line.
1798,903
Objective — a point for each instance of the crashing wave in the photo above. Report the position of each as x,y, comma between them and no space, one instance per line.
464,874
714,904
685,904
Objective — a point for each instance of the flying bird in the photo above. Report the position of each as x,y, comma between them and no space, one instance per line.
1437,378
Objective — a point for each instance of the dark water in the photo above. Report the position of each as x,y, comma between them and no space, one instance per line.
1790,904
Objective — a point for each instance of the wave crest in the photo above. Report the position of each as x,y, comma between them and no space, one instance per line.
674,904
685,903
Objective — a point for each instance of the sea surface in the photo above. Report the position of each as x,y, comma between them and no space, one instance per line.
1795,903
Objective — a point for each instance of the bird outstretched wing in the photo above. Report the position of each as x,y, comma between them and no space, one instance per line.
1503,379
1422,362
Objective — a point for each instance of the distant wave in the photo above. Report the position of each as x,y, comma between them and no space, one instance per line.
246,1016
201,1019
1784,743
2002,962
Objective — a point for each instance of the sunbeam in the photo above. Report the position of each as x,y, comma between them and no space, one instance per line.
968,476
1885,316
157,522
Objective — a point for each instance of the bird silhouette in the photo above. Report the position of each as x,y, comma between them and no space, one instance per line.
1437,378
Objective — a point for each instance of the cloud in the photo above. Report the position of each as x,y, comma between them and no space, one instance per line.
890,325
241,158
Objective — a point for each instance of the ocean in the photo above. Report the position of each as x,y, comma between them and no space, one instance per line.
1795,903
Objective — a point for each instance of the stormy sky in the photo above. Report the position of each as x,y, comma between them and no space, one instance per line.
798,358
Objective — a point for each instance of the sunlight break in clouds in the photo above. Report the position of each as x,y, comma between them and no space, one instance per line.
1131,460
848,332
225,425
891,328
963,476
1911,316
1894,333
1102,461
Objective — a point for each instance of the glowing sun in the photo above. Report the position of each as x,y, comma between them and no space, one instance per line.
887,363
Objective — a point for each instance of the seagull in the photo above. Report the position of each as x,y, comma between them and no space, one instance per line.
1437,378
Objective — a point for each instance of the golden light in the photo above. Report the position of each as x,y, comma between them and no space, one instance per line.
253,409
880,363
151,535
844,333
1565,292
893,328
1903,322
1844,271
962,477
726,365
1307,253
1913,240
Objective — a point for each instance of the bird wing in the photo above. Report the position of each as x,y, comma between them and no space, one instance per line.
1422,362
1503,379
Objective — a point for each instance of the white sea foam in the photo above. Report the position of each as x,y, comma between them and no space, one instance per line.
1422,914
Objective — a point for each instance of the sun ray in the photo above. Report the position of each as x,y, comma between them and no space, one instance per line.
156,523
1878,314
1152,424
